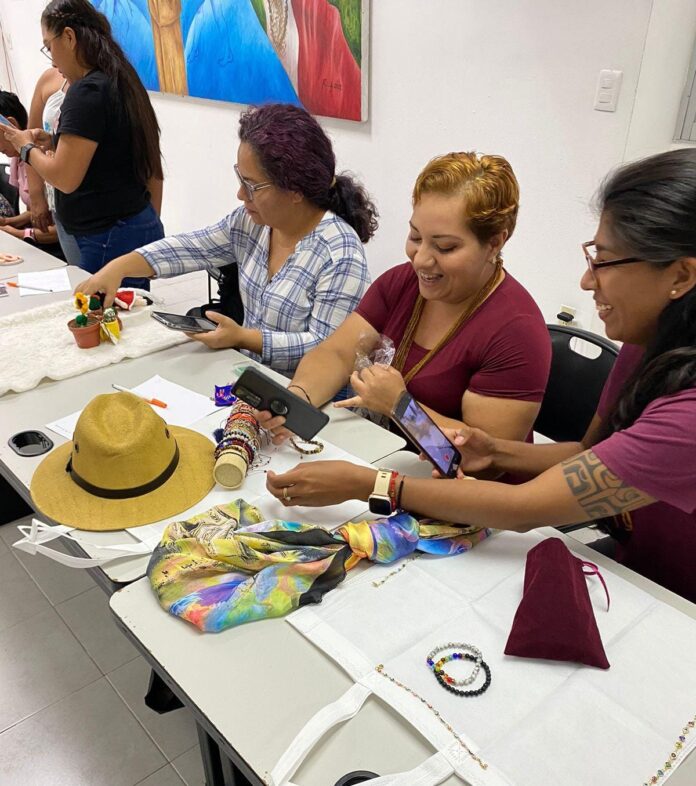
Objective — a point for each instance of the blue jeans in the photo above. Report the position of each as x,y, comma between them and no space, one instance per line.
71,251
123,237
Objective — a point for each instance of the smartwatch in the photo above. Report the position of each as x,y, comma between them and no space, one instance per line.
379,501
24,152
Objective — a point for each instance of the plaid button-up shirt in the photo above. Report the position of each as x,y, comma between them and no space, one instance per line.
320,283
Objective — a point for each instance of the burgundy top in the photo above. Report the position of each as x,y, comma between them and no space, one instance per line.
503,350
657,455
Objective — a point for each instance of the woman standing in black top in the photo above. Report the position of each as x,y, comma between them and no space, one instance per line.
107,167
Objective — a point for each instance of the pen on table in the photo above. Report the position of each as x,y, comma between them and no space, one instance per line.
155,401
24,286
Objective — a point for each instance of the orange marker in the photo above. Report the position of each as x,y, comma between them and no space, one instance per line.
24,286
154,401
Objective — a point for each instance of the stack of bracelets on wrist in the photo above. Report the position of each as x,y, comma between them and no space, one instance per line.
462,652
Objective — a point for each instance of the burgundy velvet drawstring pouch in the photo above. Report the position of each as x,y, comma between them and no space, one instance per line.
555,620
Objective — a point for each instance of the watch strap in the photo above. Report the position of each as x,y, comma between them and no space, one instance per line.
381,487
24,152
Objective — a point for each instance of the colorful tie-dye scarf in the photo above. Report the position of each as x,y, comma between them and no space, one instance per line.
228,566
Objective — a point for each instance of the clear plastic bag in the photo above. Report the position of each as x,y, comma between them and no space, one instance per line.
371,353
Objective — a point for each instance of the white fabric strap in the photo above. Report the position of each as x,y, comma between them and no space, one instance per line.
431,772
342,709
39,533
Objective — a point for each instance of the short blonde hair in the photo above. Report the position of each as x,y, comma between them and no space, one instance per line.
491,194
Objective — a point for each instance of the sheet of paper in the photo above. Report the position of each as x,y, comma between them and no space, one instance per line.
54,280
184,406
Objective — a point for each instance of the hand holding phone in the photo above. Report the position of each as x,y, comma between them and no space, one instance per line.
264,393
184,322
422,430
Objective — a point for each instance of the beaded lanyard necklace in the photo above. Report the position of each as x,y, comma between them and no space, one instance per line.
409,333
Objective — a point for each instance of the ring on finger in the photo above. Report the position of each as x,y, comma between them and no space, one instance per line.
286,496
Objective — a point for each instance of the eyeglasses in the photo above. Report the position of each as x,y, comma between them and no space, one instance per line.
250,188
46,48
591,258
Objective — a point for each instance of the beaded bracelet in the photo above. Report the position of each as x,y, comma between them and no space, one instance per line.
437,666
442,678
318,446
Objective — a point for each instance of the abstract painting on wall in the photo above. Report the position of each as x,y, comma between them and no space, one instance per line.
313,53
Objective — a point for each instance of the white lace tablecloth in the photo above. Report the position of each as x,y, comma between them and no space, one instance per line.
37,344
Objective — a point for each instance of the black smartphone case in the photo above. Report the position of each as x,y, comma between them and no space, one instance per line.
264,393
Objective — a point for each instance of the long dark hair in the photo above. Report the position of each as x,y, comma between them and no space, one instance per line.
297,155
97,49
651,206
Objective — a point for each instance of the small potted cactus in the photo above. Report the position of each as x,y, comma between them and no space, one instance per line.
85,327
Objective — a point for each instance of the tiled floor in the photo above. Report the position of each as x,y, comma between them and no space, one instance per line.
71,706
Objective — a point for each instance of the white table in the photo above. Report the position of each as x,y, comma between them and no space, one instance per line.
191,365
253,687
14,303
34,259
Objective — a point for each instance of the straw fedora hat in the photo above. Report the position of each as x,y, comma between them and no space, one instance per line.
124,467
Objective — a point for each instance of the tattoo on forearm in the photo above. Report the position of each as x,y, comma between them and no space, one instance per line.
597,489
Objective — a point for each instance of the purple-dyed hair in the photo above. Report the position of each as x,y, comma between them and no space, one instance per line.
296,154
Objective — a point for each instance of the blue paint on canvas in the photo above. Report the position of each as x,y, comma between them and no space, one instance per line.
228,54
130,23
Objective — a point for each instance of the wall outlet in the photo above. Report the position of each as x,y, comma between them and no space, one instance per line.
566,315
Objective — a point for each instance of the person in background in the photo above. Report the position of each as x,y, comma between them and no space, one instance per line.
44,112
20,226
106,168
634,469
470,343
294,250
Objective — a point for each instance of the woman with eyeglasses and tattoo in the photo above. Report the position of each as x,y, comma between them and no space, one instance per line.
104,159
635,467
294,249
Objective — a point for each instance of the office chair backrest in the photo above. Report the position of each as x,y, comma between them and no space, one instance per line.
10,193
575,384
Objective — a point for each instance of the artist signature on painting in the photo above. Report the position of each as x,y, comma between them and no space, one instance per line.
327,84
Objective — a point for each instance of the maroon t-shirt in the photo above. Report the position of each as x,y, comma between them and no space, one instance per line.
503,350
657,454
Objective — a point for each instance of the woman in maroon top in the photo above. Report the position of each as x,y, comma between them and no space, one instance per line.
472,346
635,468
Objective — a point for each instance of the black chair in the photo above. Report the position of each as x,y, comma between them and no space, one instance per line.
10,193
229,300
575,384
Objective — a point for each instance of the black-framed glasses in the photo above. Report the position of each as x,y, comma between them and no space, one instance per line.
250,188
46,48
591,258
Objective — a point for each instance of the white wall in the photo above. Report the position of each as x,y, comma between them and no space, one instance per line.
514,77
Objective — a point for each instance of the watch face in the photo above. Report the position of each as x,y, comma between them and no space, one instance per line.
380,505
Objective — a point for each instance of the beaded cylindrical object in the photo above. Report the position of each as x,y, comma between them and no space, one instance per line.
239,446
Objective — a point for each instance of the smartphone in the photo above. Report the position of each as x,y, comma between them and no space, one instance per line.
421,429
183,322
262,392
5,121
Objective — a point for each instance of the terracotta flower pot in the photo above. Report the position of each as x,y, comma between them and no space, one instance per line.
88,336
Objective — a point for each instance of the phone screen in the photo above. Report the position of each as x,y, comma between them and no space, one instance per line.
425,433
183,322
